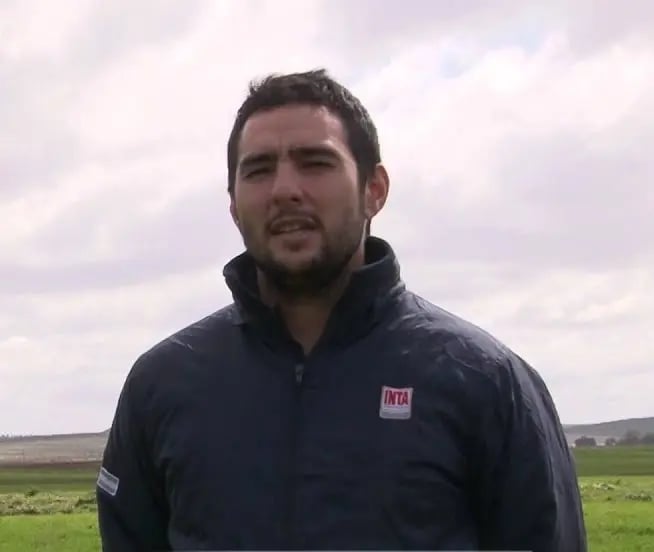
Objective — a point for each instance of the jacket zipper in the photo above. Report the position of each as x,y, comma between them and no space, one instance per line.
290,521
299,372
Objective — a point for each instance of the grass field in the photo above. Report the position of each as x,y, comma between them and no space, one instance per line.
615,461
51,533
53,508
73,477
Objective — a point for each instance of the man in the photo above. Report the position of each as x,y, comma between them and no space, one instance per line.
329,407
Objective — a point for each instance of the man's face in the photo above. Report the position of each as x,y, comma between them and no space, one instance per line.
297,199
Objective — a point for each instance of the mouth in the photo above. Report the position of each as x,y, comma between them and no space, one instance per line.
291,226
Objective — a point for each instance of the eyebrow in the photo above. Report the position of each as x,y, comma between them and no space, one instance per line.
253,159
250,160
313,151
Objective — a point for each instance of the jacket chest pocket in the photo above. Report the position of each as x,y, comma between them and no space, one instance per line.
428,496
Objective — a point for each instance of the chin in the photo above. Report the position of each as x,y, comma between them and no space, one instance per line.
296,262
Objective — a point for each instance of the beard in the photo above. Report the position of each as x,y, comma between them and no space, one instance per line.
322,269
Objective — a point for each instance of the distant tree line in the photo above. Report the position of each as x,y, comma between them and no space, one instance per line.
630,438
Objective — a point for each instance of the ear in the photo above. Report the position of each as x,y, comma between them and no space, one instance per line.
376,191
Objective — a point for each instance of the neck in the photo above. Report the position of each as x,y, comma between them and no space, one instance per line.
306,316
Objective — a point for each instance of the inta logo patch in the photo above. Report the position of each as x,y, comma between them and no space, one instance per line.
395,403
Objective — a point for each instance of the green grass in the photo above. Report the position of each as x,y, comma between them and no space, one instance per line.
78,478
619,513
49,533
53,509
608,461
49,508
36,503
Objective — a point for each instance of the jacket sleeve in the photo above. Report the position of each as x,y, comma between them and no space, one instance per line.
529,493
131,504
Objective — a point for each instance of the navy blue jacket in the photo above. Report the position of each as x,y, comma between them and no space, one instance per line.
405,428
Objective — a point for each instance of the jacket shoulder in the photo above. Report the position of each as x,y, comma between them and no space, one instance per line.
450,334
202,338
469,349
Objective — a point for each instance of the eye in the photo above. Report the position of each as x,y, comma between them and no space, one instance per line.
257,172
316,163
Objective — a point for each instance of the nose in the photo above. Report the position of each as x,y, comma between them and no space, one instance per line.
287,184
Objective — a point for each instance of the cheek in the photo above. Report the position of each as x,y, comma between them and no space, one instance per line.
250,210
352,202
337,198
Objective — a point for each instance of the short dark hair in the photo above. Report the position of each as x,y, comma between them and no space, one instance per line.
314,87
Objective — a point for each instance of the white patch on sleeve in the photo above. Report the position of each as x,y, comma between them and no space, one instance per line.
108,482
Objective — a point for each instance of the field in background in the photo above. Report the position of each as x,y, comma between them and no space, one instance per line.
619,512
80,447
52,507
18,478
614,460
49,533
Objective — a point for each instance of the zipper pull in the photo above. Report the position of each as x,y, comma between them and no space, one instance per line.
299,372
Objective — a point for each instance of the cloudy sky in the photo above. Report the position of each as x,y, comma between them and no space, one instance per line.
518,138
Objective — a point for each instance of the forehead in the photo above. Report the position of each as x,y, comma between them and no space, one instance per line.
284,127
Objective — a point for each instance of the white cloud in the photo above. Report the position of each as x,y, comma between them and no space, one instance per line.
44,30
516,138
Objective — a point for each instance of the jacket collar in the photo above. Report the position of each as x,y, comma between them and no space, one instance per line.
370,288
